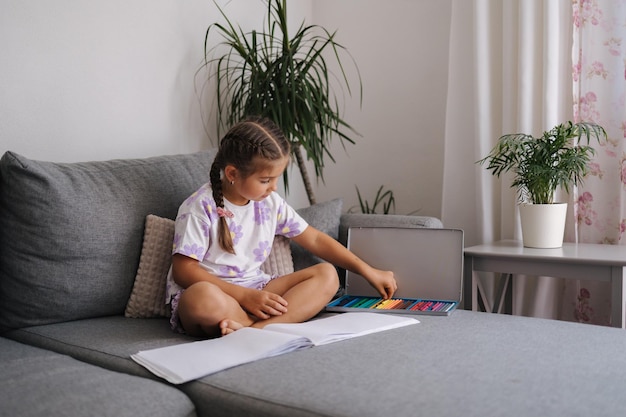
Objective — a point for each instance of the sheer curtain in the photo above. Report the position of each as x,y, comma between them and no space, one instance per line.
510,71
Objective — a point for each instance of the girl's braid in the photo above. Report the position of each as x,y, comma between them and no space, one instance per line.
224,238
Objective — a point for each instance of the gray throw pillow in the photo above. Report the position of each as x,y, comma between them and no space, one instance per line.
71,233
323,216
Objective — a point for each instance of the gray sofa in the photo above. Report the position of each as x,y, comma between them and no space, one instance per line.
70,242
71,249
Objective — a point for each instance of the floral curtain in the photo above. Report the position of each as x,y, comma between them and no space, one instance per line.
599,95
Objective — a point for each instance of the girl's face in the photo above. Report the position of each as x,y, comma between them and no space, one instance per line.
257,186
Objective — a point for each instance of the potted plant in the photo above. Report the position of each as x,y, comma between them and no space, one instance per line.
540,165
285,78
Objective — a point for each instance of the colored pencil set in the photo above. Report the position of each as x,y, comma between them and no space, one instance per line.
393,305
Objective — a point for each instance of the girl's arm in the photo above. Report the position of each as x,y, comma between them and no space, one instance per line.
327,248
187,271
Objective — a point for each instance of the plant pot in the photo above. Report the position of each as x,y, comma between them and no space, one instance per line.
543,225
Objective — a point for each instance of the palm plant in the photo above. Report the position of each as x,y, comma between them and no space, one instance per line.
287,79
543,164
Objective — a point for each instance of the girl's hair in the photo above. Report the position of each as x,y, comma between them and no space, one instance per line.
247,146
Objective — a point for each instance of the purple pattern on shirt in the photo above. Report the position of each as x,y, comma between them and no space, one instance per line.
289,228
235,232
175,242
280,210
231,271
262,252
206,229
210,209
261,212
193,251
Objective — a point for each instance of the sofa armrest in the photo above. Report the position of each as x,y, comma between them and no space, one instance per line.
384,220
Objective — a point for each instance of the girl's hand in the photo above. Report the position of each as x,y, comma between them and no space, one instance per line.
384,282
329,249
263,304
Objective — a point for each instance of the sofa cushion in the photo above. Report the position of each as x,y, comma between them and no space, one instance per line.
37,382
71,233
469,364
323,216
147,298
107,342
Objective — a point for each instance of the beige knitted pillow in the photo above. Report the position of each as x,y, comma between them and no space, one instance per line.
147,298
279,262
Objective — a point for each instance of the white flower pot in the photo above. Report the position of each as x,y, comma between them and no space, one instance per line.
543,225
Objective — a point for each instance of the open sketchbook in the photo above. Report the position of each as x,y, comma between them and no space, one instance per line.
185,362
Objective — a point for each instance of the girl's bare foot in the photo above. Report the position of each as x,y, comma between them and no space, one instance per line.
228,326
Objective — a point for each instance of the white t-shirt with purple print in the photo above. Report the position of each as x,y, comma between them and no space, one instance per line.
252,227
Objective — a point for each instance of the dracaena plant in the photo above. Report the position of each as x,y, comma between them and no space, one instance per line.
385,199
540,165
286,78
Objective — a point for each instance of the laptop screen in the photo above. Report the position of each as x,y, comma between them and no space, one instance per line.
427,263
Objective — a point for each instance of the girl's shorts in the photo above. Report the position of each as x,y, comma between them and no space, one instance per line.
175,323
257,283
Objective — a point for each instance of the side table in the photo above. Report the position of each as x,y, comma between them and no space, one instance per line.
582,261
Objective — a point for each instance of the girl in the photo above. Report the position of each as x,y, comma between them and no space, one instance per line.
224,230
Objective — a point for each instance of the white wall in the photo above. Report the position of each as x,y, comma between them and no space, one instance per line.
401,48
116,79
104,79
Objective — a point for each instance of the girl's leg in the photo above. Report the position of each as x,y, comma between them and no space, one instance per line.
205,310
203,306
307,291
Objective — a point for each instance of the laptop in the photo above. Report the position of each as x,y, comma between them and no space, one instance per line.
427,264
